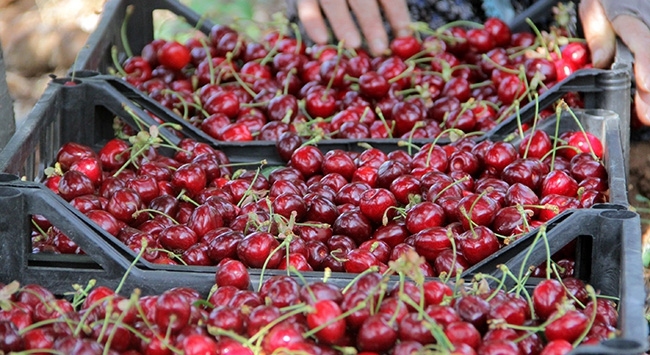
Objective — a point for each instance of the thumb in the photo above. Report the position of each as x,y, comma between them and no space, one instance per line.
599,33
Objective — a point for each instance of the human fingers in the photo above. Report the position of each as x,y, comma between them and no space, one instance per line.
636,35
371,24
311,18
599,33
398,16
341,22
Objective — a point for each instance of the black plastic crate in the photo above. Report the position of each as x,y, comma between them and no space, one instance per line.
608,251
601,89
84,113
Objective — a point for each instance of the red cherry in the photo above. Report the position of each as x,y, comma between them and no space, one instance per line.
547,296
327,312
378,204
405,47
232,272
585,143
376,334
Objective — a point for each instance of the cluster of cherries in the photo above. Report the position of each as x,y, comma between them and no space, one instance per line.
468,78
374,314
346,211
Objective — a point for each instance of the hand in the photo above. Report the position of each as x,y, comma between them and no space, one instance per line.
631,23
368,18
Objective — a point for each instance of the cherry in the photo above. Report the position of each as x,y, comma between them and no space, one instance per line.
177,238
307,160
74,183
547,296
480,40
405,47
114,154
478,243
320,103
189,177
476,209
373,85
461,332
413,327
255,249
327,312
583,143
124,204
568,326
173,55
11,339
377,334
576,53
557,347
70,152
89,166
172,311
500,155
285,335
353,224
556,204
196,344
227,318
232,272
378,204
450,263
283,291
504,347
559,182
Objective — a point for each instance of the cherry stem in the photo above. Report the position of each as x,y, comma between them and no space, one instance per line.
592,317
238,78
120,320
128,270
539,36
436,330
564,105
291,73
389,130
446,277
470,24
339,52
501,281
532,130
359,276
418,124
403,74
455,183
285,243
312,295
81,293
249,191
123,29
259,336
116,62
554,266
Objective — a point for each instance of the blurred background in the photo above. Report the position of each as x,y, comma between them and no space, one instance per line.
43,37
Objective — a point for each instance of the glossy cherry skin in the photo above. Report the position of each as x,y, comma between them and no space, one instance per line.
547,296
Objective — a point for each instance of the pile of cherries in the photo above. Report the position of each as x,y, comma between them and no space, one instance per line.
453,204
374,314
464,76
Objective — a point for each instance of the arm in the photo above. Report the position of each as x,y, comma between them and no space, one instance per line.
603,20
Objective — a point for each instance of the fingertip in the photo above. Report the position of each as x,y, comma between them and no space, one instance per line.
378,46
642,106
600,57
